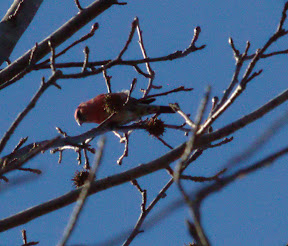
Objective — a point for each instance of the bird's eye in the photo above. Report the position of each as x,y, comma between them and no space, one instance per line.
80,116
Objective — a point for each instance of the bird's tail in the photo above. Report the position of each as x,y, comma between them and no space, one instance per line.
140,110
154,109
165,110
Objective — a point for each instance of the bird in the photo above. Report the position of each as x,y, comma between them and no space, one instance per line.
101,107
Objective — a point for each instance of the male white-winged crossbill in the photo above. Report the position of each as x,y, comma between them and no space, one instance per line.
102,106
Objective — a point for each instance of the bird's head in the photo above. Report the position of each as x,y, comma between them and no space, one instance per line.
92,111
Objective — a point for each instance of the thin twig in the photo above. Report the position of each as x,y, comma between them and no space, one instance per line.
59,130
224,141
235,51
165,143
86,59
283,18
52,57
178,89
180,128
188,121
31,170
107,80
86,163
19,7
78,5
144,53
79,156
20,143
203,179
139,70
132,87
126,149
25,242
131,34
143,194
32,55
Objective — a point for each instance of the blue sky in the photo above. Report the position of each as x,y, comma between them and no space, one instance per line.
251,211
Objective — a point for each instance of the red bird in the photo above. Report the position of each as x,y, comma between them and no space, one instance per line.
102,106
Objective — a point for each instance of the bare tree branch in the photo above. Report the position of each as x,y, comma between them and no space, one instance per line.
14,24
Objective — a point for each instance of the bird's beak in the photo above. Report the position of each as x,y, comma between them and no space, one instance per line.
78,122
